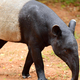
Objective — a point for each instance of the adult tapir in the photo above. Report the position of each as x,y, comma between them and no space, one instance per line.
38,26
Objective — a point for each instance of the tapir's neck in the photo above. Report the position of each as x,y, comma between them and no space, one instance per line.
54,19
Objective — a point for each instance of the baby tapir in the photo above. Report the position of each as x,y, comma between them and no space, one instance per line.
41,27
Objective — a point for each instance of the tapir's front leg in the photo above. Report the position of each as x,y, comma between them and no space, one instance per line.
27,65
37,58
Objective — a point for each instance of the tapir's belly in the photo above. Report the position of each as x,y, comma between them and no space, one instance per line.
9,25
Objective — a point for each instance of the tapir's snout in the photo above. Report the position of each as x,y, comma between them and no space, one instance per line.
72,60
75,68
73,63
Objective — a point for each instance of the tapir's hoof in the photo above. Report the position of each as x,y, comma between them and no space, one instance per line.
27,76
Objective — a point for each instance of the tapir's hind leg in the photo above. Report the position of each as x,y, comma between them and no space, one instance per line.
28,63
2,43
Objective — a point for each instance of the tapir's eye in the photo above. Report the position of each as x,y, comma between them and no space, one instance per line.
67,51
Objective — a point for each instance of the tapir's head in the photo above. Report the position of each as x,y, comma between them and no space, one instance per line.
65,46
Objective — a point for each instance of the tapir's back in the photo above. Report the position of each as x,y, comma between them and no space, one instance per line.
9,26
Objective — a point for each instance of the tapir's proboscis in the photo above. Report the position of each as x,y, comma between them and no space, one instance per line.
38,26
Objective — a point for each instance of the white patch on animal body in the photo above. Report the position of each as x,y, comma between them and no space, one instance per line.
9,25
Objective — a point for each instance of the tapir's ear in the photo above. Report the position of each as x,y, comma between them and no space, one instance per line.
56,31
72,25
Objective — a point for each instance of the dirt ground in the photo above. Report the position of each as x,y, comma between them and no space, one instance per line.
13,55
